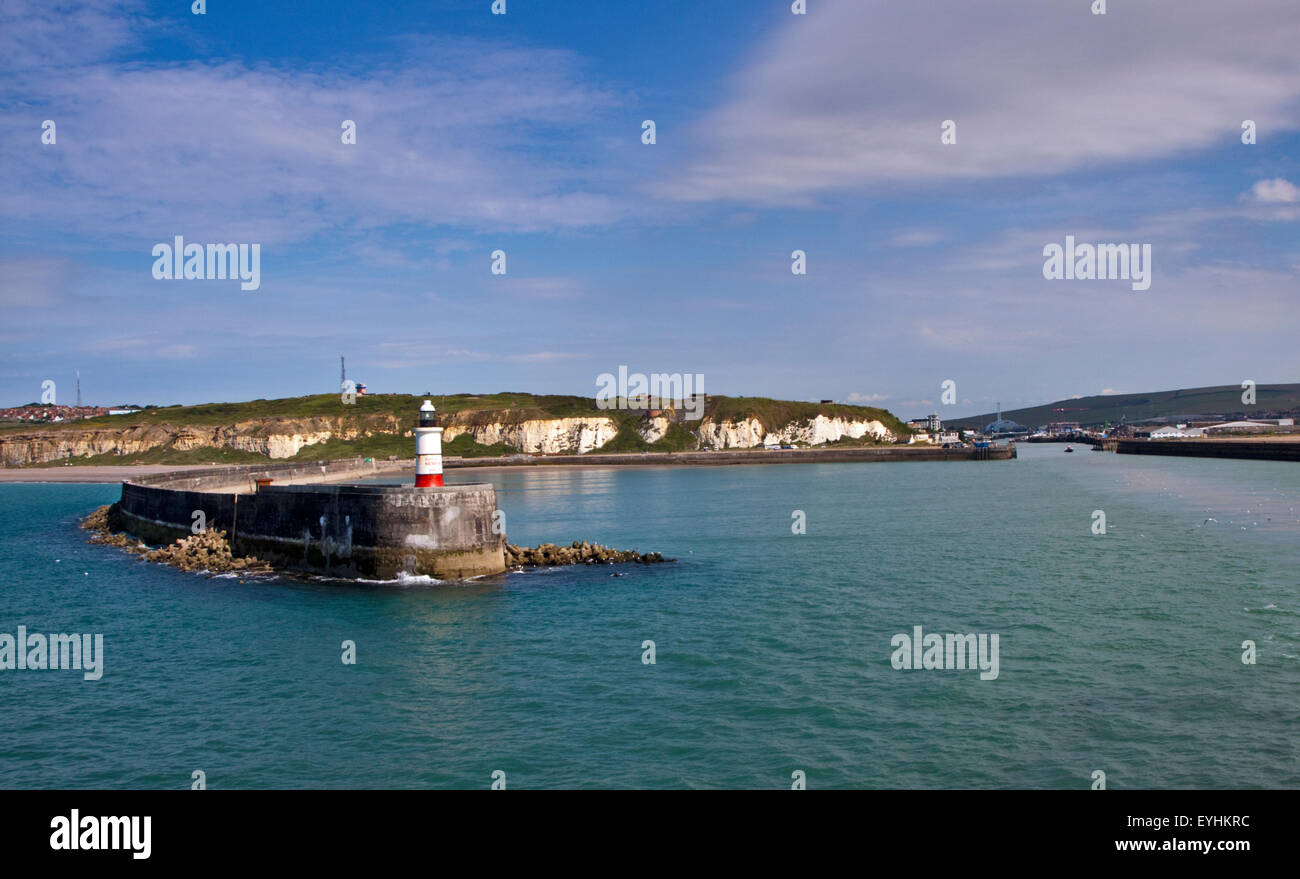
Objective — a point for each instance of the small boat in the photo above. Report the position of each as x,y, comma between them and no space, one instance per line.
1068,449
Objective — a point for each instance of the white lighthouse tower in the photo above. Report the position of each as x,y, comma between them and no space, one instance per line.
428,448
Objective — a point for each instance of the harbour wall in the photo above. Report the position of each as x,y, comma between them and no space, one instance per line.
243,477
757,456
351,531
1261,450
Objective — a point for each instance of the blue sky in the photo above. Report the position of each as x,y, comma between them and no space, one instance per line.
522,132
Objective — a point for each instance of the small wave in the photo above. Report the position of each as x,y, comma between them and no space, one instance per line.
402,579
241,576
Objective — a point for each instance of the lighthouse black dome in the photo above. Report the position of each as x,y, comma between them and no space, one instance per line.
428,416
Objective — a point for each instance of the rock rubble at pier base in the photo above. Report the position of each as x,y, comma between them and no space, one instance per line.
207,551
577,553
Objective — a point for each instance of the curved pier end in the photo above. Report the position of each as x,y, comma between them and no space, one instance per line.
370,531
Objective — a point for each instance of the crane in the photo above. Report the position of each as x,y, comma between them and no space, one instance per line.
1058,427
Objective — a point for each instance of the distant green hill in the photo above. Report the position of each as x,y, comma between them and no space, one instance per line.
1110,408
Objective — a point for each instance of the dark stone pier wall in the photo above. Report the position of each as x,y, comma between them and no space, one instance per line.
337,530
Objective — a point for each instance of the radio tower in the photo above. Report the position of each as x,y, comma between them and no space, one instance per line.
343,368
78,388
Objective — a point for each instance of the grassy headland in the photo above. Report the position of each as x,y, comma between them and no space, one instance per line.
381,424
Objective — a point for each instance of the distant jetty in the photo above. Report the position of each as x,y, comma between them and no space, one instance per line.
1281,449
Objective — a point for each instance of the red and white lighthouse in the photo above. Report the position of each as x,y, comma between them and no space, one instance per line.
428,448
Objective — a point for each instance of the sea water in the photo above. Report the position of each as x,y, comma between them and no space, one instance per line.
1119,651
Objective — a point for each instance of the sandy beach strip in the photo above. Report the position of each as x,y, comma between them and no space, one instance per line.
91,473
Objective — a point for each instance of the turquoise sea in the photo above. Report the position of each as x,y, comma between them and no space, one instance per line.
1119,652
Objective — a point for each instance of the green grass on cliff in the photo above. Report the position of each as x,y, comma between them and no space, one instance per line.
401,406
677,439
468,408
472,407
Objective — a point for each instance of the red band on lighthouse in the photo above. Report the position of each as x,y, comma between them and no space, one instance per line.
428,448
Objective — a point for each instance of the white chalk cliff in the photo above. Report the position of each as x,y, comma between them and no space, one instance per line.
547,436
749,432
285,437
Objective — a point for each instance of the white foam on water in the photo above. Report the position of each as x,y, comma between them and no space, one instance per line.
402,579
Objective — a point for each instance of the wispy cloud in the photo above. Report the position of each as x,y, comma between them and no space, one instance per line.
854,93
149,347
228,152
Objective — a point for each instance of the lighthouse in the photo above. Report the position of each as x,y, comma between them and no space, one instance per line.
428,448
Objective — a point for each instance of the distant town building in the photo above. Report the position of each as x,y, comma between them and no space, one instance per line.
49,413
1240,427
1004,427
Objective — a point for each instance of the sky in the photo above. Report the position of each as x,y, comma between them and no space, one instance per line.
523,132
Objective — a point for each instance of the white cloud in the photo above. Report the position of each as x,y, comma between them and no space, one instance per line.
916,238
545,356
867,398
41,33
854,93
228,152
1275,191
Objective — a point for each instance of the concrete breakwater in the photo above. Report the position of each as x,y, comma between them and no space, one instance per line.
772,456
373,531
1261,450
